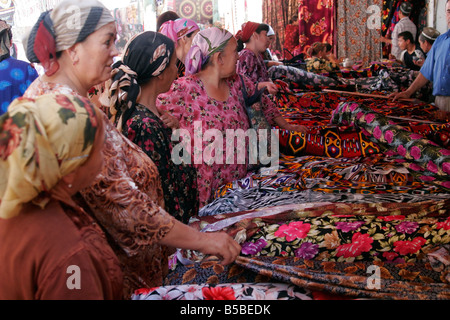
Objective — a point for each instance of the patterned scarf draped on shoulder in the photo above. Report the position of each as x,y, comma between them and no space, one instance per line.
205,44
71,22
179,28
5,40
146,56
42,141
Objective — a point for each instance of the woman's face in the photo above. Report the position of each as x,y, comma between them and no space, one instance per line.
169,74
95,56
263,41
229,57
185,45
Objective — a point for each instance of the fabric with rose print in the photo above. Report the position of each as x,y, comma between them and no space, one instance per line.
233,291
425,159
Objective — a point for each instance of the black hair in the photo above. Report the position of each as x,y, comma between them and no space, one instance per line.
166,16
406,35
262,27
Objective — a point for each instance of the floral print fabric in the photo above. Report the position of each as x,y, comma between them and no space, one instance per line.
426,160
242,291
179,182
319,66
126,199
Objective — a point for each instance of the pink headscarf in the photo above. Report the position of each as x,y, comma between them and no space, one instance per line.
177,29
205,44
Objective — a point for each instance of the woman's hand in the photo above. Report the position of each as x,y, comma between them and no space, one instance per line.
168,119
270,86
296,128
222,246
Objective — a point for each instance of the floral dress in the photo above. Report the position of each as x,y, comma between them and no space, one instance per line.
126,199
252,66
179,182
199,114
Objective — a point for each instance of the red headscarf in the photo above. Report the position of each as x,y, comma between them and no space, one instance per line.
247,31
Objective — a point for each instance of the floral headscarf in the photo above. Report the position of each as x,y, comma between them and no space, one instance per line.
206,43
71,22
146,56
42,141
177,29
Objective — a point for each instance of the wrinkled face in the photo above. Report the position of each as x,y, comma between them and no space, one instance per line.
96,55
425,46
229,57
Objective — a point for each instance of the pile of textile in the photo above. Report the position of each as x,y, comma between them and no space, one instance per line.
359,207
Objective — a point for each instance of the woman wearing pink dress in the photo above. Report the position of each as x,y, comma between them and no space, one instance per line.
210,100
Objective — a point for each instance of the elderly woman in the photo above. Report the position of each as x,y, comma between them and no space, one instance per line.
49,247
181,31
133,92
126,197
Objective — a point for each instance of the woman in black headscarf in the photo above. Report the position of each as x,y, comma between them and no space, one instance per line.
148,69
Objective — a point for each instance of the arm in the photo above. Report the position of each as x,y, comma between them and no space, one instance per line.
416,85
217,244
283,124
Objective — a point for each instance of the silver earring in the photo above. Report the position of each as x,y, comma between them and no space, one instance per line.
69,186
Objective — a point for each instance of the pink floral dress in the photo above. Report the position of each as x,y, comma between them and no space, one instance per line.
198,113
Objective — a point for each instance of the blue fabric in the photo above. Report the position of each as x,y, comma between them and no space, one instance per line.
437,65
15,78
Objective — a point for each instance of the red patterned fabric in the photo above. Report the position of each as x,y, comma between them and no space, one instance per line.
316,22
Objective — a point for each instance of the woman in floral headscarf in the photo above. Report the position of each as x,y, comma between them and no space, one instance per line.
133,91
182,31
54,149
211,94
126,198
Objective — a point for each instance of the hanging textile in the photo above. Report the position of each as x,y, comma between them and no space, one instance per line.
277,14
316,22
358,30
201,11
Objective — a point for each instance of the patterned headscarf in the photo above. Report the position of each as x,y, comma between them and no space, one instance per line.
42,141
177,29
71,22
5,40
146,56
206,43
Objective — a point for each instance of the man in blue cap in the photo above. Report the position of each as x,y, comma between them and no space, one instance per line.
437,70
